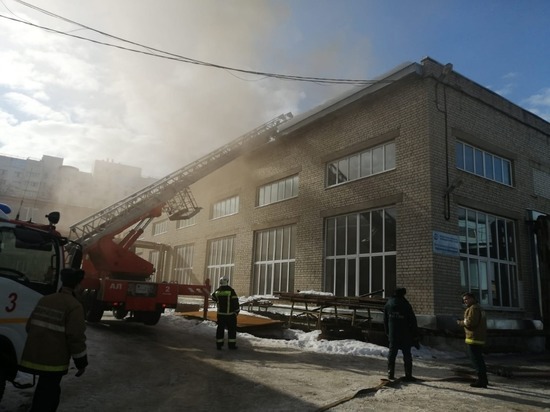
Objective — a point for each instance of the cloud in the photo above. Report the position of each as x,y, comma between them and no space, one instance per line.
506,89
510,75
509,86
83,101
29,107
539,103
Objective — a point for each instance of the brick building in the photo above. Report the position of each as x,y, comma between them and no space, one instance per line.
424,180
33,187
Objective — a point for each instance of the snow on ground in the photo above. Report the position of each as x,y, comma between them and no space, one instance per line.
289,382
307,341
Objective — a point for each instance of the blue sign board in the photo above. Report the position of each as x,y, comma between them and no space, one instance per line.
445,244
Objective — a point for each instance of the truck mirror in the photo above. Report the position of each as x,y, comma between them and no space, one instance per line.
53,217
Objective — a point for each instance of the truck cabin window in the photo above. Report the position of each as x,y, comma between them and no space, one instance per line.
28,256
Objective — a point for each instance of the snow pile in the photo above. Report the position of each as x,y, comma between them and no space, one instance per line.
306,341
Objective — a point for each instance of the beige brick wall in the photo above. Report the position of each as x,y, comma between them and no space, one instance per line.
411,112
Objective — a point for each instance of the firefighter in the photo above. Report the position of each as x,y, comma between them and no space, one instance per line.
227,302
56,332
402,330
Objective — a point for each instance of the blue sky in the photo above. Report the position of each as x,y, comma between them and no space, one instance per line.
81,101
503,45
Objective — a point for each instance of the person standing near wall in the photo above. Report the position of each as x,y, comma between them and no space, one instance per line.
475,329
402,330
56,332
228,308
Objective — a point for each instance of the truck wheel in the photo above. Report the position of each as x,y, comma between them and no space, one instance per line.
148,318
93,308
120,313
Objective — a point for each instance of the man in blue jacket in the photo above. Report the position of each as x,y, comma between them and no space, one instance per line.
402,330
228,308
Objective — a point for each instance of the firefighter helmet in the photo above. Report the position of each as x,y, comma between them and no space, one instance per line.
224,281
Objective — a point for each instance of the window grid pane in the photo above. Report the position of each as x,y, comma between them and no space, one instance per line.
180,224
160,227
277,191
352,270
221,259
483,164
225,207
183,263
274,270
358,165
488,263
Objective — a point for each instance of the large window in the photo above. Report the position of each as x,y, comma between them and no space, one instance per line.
277,191
369,162
484,164
183,263
221,259
160,227
488,262
274,260
186,222
225,207
360,253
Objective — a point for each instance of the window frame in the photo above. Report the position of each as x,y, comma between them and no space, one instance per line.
183,263
491,271
338,171
351,260
274,260
183,223
475,160
160,228
281,193
225,207
220,258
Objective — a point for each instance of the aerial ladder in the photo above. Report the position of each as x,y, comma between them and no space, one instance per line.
119,280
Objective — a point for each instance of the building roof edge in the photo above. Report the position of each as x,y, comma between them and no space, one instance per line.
350,96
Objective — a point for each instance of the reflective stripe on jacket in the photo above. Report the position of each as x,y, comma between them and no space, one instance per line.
56,332
227,300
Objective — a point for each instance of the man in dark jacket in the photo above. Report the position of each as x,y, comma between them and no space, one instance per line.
402,331
56,332
475,330
228,309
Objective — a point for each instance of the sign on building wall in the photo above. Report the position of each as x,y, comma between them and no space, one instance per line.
445,244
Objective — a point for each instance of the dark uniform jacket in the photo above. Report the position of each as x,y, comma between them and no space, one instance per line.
56,332
400,322
227,300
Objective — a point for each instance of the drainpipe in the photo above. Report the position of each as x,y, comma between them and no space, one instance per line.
448,68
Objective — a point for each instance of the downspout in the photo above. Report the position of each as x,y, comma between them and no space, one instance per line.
448,68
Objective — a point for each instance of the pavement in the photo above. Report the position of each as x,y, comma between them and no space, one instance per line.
518,382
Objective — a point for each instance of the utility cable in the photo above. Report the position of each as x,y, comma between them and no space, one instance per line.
172,56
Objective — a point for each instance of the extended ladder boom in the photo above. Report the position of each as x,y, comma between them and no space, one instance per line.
172,192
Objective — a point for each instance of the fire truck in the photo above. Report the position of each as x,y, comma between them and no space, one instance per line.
119,280
116,278
31,258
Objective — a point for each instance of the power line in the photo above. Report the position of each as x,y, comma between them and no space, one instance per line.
150,51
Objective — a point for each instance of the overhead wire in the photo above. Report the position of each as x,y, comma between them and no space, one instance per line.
151,51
